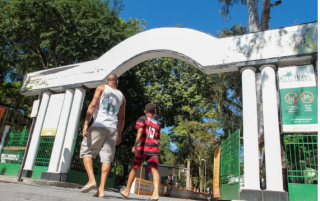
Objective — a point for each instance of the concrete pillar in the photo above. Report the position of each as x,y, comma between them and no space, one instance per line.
271,129
61,131
73,123
33,149
250,129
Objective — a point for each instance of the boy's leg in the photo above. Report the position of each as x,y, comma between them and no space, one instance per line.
87,162
156,180
153,164
137,161
132,174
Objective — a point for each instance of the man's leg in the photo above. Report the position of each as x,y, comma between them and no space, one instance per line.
155,175
105,169
87,161
132,174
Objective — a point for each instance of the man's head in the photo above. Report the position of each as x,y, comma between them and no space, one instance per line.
150,108
112,80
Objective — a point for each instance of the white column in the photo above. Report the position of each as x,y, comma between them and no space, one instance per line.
250,129
73,123
33,148
271,129
4,135
61,131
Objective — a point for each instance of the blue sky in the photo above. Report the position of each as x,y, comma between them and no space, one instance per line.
204,15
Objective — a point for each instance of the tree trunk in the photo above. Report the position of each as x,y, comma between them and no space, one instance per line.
188,179
201,175
253,15
265,15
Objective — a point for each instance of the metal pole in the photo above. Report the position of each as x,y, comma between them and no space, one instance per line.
205,175
140,179
28,142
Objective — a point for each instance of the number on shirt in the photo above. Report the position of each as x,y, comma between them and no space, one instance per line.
151,132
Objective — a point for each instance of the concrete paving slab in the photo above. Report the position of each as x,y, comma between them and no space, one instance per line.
31,189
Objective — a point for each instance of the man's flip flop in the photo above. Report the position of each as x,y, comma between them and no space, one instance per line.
88,188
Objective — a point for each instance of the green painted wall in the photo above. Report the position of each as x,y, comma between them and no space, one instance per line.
9,169
37,171
303,192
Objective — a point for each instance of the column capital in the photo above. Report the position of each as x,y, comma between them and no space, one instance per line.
80,89
248,67
268,65
71,90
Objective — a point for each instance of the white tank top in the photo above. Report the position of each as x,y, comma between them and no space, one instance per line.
106,113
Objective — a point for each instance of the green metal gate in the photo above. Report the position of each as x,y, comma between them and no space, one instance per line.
230,167
13,150
302,166
43,156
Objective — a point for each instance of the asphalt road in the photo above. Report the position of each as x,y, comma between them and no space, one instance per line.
21,192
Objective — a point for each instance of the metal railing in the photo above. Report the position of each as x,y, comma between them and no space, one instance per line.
301,157
44,151
14,146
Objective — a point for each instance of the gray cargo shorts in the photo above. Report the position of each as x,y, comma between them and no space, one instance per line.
100,141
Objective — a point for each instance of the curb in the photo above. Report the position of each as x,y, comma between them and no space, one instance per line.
38,182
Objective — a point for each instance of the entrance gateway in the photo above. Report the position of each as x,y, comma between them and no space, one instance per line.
261,52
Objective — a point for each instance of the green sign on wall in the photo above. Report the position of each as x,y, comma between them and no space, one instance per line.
298,98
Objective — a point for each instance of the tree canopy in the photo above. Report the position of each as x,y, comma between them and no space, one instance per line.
37,35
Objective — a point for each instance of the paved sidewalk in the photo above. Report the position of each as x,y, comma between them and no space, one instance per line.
21,191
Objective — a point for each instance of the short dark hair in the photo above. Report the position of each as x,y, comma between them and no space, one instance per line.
112,77
150,108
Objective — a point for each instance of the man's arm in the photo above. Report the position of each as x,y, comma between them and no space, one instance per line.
91,109
121,119
139,133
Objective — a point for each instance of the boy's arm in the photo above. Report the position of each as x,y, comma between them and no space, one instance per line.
121,119
91,109
139,133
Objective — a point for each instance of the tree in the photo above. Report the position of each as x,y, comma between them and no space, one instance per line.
167,155
200,136
253,12
37,35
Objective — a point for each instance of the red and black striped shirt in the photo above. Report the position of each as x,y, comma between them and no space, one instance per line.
151,134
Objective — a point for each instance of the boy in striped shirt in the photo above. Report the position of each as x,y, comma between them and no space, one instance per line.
146,148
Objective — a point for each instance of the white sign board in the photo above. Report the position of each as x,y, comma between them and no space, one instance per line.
298,98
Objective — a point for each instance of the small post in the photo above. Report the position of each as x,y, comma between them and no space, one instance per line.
140,179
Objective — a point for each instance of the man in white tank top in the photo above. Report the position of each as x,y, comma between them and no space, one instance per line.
108,111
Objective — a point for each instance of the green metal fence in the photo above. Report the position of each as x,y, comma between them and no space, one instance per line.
230,167
44,151
302,166
14,146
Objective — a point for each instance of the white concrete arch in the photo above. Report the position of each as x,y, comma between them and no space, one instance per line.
202,50
192,46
